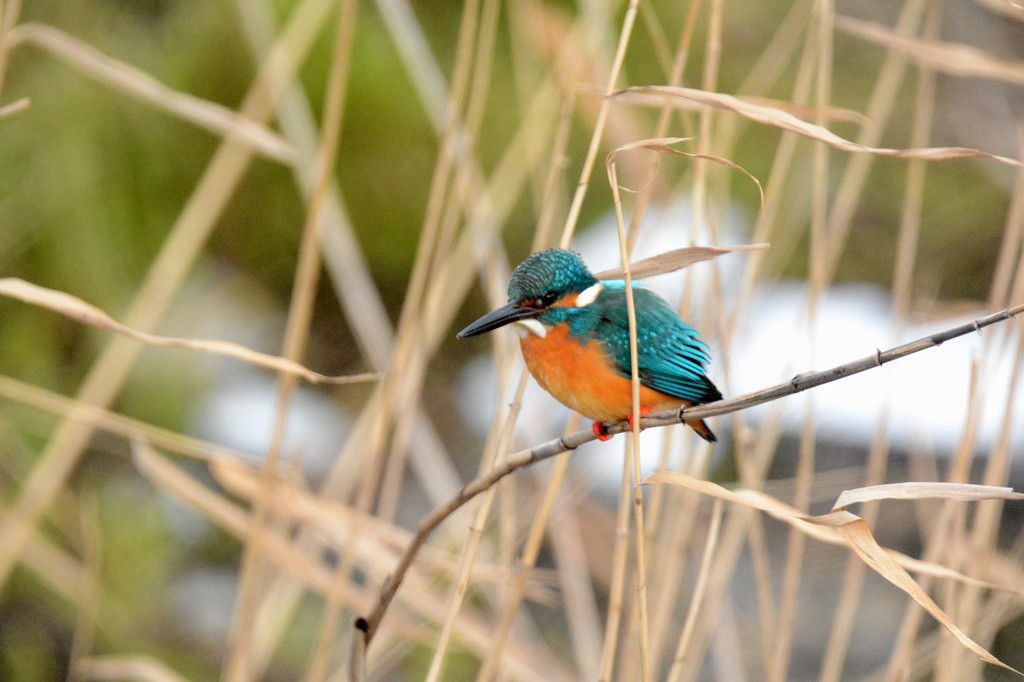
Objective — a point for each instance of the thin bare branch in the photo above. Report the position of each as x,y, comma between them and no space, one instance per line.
525,458
79,310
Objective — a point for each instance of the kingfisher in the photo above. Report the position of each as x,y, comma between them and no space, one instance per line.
574,333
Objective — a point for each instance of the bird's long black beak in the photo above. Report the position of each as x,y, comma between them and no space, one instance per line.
510,312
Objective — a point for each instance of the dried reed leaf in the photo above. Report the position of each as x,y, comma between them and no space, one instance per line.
296,559
137,83
138,667
952,58
657,144
14,107
661,145
173,481
793,516
749,498
851,530
830,113
913,490
813,113
242,480
781,119
79,310
379,541
418,596
937,571
111,422
854,530
677,259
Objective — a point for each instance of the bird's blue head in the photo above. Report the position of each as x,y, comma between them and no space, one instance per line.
548,276
537,283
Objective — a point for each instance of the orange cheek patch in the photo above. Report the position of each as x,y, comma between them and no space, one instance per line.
569,301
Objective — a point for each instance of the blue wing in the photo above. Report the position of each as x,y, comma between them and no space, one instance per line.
671,356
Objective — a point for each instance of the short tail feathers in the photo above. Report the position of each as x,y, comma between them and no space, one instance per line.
701,427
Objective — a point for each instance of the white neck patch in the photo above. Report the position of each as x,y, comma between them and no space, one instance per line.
588,295
523,328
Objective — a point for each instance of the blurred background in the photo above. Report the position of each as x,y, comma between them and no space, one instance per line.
159,160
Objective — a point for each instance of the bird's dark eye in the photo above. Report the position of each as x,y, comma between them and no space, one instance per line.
548,299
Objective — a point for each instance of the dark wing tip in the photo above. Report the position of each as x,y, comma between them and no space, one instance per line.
711,392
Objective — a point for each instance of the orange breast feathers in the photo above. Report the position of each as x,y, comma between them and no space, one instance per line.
583,378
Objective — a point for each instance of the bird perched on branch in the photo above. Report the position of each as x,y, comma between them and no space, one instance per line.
574,334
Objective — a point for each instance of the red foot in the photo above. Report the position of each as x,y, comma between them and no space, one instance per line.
600,432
